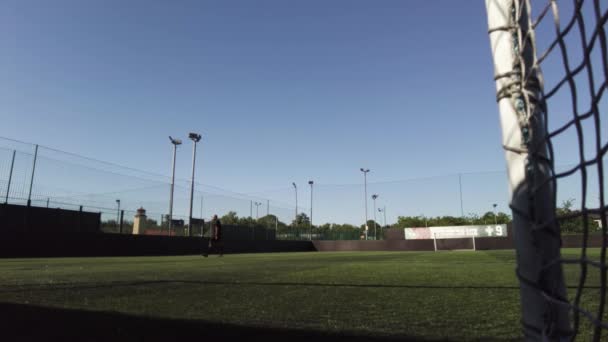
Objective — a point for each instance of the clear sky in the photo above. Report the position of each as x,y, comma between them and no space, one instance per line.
281,91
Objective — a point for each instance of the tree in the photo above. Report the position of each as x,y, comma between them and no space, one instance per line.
570,221
268,220
301,220
335,231
231,218
326,226
411,221
450,221
503,218
472,218
370,225
246,221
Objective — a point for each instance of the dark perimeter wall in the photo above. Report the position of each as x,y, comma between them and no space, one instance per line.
24,245
45,243
20,219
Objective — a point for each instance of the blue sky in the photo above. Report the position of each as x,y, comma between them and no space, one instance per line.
282,91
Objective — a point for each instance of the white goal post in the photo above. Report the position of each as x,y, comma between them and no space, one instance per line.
532,183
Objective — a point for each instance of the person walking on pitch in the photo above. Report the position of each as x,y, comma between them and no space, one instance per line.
215,240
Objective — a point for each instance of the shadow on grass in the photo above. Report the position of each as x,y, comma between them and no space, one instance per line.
115,284
35,323
86,286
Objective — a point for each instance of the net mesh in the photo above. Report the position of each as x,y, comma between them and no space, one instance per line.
557,88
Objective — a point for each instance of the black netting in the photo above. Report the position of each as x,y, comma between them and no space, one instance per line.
557,88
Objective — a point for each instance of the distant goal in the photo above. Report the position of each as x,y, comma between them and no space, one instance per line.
449,242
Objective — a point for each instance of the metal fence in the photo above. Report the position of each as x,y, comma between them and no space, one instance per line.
46,177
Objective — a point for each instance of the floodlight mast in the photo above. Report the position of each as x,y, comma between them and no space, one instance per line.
383,210
365,171
118,211
311,184
175,143
374,196
295,187
195,137
257,207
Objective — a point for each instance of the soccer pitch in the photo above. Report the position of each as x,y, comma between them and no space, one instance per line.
420,295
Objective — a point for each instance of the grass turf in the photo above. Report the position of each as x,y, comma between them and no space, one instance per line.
447,295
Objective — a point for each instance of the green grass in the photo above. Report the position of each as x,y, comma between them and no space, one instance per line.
455,295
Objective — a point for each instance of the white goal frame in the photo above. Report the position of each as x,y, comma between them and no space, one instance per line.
532,191
450,236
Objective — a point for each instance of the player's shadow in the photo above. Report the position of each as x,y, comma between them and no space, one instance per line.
36,323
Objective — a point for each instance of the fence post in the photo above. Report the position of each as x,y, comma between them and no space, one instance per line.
122,216
29,196
80,219
10,176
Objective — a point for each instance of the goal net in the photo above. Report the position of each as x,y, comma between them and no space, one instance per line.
449,242
551,66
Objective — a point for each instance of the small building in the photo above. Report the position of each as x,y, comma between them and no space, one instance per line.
139,222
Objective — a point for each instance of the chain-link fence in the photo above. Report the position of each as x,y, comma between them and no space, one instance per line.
43,177
55,179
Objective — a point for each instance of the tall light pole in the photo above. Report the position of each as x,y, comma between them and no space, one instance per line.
117,211
311,184
195,137
257,211
383,210
460,187
175,143
495,220
374,196
365,171
295,187
425,221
